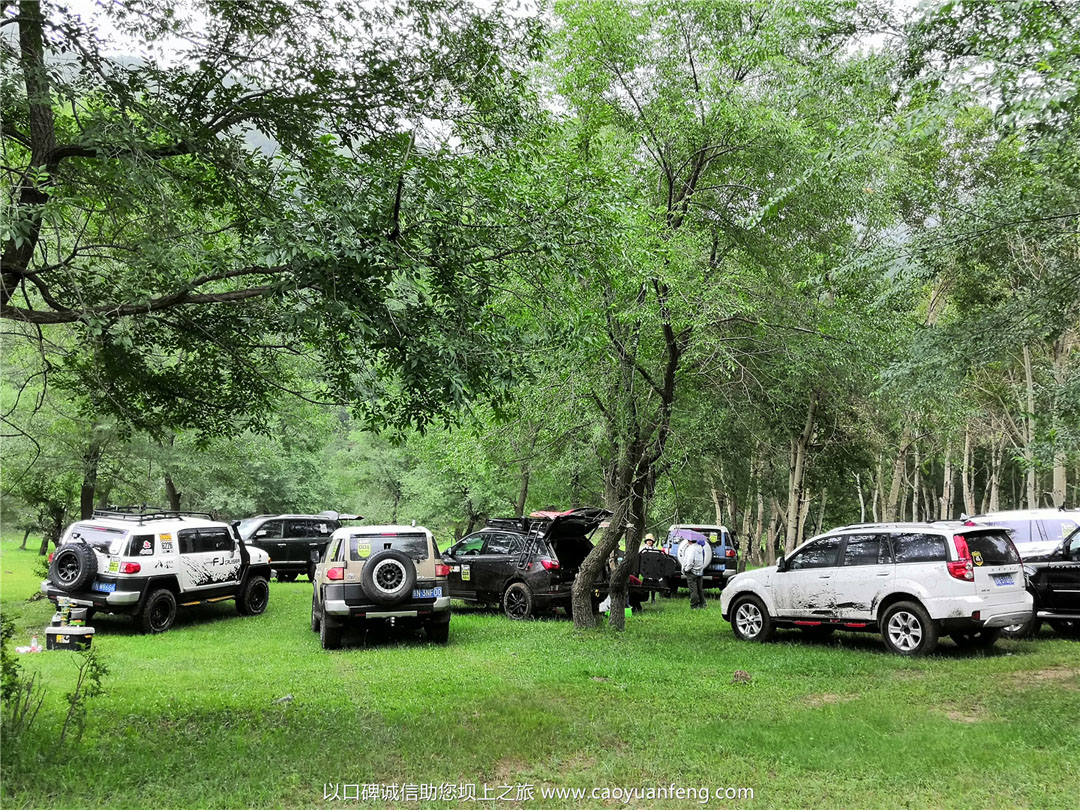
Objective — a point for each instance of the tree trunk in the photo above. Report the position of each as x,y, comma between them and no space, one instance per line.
581,594
862,501
1029,431
718,502
899,469
1063,347
997,451
754,544
797,475
916,485
947,486
965,475
821,512
621,575
173,494
91,461
523,492
773,535
25,537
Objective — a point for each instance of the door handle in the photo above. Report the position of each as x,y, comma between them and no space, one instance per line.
281,545
882,574
824,576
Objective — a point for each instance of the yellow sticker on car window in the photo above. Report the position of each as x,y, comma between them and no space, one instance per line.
466,573
976,557
165,537
363,550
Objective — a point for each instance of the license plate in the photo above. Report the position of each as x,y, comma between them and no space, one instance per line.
104,587
1004,579
427,593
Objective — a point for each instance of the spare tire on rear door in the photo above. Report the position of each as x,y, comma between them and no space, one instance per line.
685,545
73,567
388,577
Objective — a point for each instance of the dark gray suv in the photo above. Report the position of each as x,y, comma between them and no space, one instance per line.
291,539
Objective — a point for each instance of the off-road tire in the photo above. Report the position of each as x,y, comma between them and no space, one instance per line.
750,620
253,597
329,634
1028,629
388,577
1069,628
158,612
517,601
978,640
311,572
73,567
438,633
289,576
908,630
314,616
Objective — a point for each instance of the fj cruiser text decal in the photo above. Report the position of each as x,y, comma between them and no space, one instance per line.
218,569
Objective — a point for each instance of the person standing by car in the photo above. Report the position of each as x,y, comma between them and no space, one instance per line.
693,566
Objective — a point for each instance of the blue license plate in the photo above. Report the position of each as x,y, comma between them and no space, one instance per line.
1004,579
427,593
104,587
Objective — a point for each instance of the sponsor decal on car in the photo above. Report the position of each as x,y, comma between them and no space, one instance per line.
363,550
114,566
976,557
466,573
166,543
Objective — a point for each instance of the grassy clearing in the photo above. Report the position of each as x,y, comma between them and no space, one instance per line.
190,720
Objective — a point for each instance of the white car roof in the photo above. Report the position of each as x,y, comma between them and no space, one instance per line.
152,524
699,526
349,531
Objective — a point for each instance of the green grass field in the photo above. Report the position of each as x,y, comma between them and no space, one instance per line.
189,718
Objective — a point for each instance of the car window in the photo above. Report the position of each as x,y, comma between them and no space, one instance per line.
414,544
1074,546
867,549
141,545
1021,529
335,549
991,548
1056,529
911,548
215,540
298,528
470,546
499,544
271,530
323,528
819,554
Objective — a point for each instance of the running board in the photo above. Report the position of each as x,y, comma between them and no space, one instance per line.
1046,614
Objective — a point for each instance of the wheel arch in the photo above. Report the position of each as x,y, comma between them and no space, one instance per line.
892,598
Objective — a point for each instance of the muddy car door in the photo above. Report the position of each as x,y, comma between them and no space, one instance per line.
208,558
866,569
805,587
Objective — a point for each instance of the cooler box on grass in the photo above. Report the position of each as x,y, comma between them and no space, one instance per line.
68,638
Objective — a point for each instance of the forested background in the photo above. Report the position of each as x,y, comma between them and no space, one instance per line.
782,265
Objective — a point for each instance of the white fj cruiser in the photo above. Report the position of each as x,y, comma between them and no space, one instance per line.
147,563
909,581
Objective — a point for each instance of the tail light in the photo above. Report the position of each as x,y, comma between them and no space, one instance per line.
442,570
130,568
336,573
729,553
549,564
51,553
962,567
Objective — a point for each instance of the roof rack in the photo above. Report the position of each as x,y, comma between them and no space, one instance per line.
144,513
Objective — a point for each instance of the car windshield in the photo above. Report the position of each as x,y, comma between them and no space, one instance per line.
246,526
103,538
991,548
362,546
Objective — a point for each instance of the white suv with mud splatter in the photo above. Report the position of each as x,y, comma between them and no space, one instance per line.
147,563
909,581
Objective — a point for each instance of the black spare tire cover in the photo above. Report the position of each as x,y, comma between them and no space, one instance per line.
388,577
73,567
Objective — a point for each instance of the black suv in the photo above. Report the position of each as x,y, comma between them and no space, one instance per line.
290,540
526,565
1054,582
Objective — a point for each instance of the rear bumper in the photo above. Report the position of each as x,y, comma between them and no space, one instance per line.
960,613
346,601
117,601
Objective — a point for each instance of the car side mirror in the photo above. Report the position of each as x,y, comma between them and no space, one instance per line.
448,557
262,533
781,563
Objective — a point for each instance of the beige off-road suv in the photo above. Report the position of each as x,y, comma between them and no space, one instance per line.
387,574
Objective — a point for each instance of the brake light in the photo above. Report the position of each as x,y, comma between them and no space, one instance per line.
336,573
51,553
442,570
130,568
962,567
729,553
549,565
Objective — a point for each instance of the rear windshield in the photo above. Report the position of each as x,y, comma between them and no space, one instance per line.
362,546
105,539
713,536
991,548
